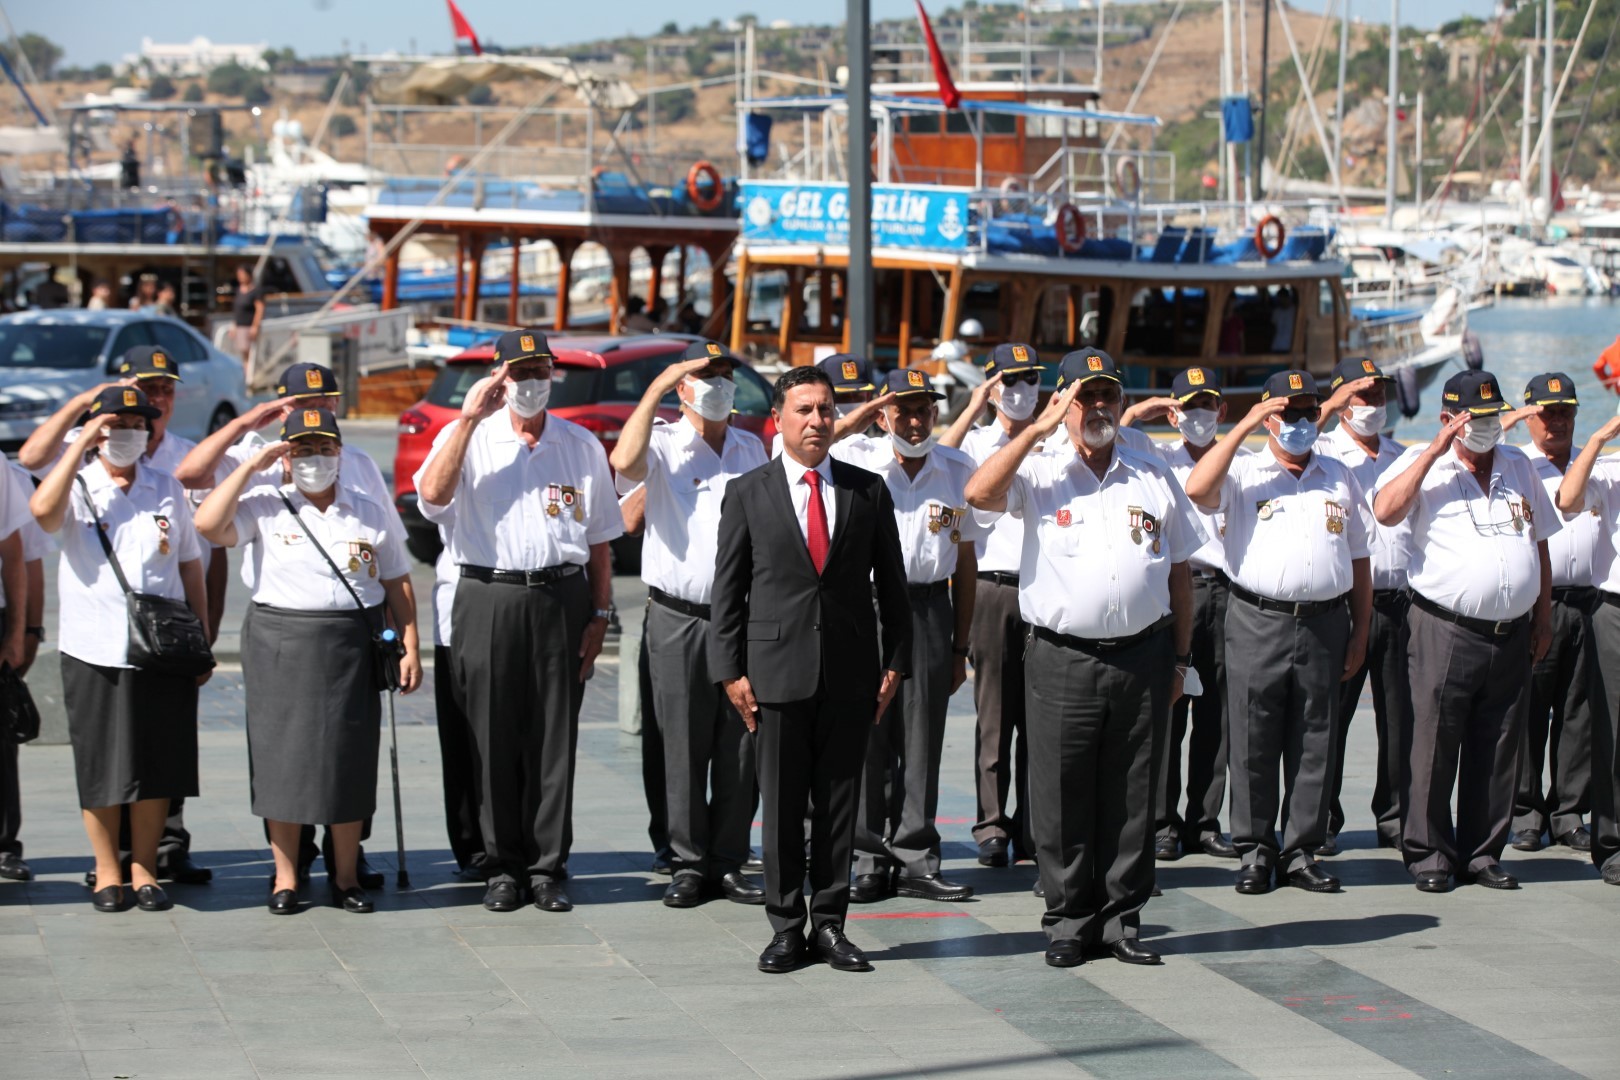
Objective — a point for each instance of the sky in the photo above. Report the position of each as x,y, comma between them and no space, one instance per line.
320,27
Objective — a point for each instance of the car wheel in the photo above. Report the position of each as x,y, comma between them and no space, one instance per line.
424,544
222,416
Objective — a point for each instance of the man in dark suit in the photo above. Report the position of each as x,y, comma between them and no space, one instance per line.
795,643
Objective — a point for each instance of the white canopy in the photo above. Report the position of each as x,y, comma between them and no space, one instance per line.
446,80
30,140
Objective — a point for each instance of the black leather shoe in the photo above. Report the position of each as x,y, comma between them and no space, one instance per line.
90,875
836,950
1329,847
754,864
1065,952
1611,871
552,896
1492,877
1254,879
182,871
12,868
1526,840
502,896
993,851
1167,848
685,891
933,887
1156,891
869,888
739,890
367,875
1576,840
152,898
784,953
1039,889
352,899
1312,878
1433,881
1130,951
109,899
1218,846
283,901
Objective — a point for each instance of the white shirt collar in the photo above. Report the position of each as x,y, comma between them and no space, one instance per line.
796,468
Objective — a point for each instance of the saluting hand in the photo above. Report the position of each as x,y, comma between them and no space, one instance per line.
1256,417
980,395
268,455
486,397
91,435
671,377
740,692
1448,433
1340,398
1152,408
1051,417
1511,419
1608,432
266,413
891,683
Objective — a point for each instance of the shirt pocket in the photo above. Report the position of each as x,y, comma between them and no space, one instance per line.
1059,540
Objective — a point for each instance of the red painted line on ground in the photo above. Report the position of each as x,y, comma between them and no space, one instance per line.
910,915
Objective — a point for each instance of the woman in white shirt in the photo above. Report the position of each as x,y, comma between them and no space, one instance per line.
325,561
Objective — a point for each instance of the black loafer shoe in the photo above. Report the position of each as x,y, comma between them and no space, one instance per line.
152,898
1492,877
933,887
1525,840
502,896
1039,889
836,950
869,888
1611,871
1065,952
352,899
739,890
182,871
552,896
1254,879
1575,840
1131,951
685,891
1328,848
785,952
1167,849
12,868
1218,846
367,875
284,902
1312,878
993,851
754,864
109,899
1433,881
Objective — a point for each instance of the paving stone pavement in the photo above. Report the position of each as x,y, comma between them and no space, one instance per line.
1379,980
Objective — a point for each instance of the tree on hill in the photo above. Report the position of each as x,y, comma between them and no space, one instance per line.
341,126
160,88
41,52
194,92
234,80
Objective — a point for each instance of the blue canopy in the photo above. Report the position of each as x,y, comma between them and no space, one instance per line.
1237,117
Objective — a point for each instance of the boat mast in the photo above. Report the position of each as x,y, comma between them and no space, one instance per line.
1229,158
1389,108
1547,118
1524,132
1338,108
858,166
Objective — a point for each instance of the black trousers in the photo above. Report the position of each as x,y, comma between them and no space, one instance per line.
1095,724
10,800
1206,716
456,762
1606,732
652,754
517,663
1559,728
1470,694
1386,666
1001,764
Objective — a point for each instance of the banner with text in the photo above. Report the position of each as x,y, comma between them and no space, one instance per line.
902,215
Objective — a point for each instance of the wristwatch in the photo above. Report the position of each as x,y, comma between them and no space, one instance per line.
961,651
1184,661
603,613
36,631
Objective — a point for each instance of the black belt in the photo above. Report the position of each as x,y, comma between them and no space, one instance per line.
1612,599
675,603
925,592
1579,595
1388,597
1488,627
1000,577
529,578
1092,645
1302,609
1215,576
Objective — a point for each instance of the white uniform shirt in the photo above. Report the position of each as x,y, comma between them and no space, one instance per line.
165,457
1467,556
288,568
1572,550
1212,556
1001,545
686,480
799,493
1084,573
1290,539
94,617
929,509
15,491
445,575
358,470
849,450
518,508
1391,547
1603,499
1132,439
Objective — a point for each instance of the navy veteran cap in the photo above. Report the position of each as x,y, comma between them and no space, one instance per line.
1086,364
712,351
902,382
149,362
1006,358
516,346
1552,388
307,380
849,374
1356,367
1476,391
1194,381
1289,384
303,423
121,401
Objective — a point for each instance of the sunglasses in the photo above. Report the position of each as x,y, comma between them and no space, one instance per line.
1294,416
1033,378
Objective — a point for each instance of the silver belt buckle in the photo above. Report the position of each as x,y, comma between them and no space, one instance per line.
1299,606
531,578
1501,628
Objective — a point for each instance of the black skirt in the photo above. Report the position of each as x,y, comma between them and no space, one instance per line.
134,733
313,718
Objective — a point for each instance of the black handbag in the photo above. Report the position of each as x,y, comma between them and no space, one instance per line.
165,636
19,719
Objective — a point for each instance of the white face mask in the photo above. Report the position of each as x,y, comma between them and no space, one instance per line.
711,398
1198,426
315,474
124,446
1482,433
1367,420
911,450
1018,401
528,397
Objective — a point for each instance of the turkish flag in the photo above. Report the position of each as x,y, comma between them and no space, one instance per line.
462,29
942,70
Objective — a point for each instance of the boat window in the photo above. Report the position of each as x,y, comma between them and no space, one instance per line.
1153,326
923,123
765,297
1257,321
50,345
1053,314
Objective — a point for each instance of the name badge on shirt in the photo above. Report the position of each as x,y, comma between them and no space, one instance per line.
1336,515
1064,519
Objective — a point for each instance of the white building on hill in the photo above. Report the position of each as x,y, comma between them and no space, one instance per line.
195,57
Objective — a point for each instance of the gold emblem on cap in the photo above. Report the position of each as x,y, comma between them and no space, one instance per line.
159,360
312,418
1094,363
1295,382
1195,377
1020,353
1555,385
714,350
312,379
849,370
914,378
526,343
1367,366
130,398
1486,391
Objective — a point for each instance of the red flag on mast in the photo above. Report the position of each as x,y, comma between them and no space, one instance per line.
462,29
942,70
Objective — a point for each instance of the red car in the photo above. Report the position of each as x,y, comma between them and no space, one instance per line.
596,383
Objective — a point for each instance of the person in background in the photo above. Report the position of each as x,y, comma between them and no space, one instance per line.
101,297
636,320
145,292
22,613
247,315
165,304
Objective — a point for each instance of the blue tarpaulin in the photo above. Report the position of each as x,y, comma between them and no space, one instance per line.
1237,118
757,137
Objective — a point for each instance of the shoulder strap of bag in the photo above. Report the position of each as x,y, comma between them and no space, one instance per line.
354,595
101,534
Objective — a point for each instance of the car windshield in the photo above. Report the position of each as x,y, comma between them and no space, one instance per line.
50,345
569,385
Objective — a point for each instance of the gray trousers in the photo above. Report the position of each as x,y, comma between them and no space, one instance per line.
1470,694
900,783
1095,722
517,660
1559,729
1392,715
1206,715
1282,699
1606,732
708,752
1001,763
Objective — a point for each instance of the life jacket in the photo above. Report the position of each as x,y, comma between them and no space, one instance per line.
1607,366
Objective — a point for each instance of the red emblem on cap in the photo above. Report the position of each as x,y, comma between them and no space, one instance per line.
1020,353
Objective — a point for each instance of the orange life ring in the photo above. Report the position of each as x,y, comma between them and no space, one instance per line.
1071,229
1267,226
694,191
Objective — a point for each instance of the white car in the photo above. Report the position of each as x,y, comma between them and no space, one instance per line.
46,357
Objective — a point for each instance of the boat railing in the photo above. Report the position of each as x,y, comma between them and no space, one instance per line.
907,62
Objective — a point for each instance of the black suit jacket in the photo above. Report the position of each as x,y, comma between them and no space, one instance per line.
774,620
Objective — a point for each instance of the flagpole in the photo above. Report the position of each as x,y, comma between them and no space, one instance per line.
858,296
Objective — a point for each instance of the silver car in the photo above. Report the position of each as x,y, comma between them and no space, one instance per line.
46,357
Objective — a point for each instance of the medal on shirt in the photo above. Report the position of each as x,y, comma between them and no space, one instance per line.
1136,523
368,556
1519,520
163,533
1336,515
571,498
553,500
935,515
954,516
354,556
1150,525
1264,509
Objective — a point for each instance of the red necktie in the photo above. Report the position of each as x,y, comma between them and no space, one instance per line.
816,522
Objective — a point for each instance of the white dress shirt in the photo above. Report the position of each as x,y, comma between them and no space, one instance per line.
1212,556
15,491
849,449
357,471
522,508
1391,546
799,492
1000,546
445,575
93,612
1603,499
1097,553
1281,538
288,568
686,481
929,509
1467,554
1572,550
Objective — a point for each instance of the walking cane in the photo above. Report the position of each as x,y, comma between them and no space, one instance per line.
403,881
